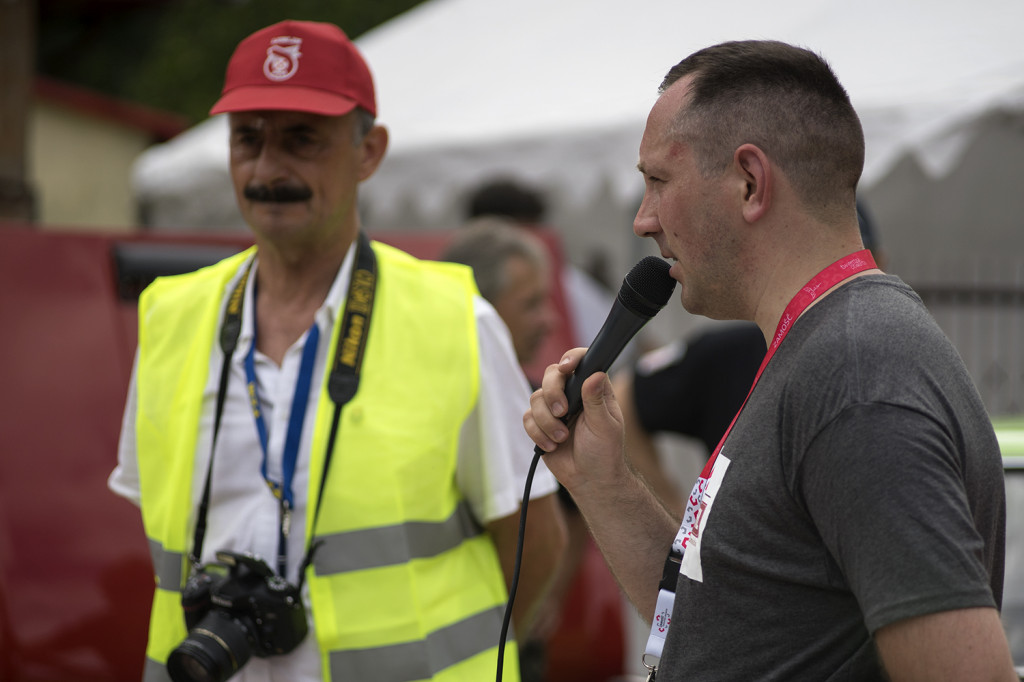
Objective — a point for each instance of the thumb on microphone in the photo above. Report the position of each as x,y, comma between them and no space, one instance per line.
601,417
592,454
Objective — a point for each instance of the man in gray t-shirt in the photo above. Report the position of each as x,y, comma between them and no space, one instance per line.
864,486
851,526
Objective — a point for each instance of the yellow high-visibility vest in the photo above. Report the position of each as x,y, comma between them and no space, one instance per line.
405,584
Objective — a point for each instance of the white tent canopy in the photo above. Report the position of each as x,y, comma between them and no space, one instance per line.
556,92
560,79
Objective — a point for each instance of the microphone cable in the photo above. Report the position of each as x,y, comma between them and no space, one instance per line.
506,621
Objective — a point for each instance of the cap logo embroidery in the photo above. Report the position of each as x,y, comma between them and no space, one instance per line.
282,58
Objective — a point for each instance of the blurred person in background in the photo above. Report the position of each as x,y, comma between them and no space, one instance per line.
513,272
589,300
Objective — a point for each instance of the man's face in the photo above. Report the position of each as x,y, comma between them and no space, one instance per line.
525,306
295,174
685,213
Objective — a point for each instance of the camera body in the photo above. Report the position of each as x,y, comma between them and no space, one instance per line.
235,608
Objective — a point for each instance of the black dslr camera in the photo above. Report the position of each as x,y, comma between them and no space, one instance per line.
235,608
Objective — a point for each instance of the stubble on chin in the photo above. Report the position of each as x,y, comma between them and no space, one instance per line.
275,219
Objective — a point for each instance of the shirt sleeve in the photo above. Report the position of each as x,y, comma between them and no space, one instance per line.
494,451
884,487
124,480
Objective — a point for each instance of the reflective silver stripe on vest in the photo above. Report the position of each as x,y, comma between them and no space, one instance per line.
392,545
422,659
155,672
167,566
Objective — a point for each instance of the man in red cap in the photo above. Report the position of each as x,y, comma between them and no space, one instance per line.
324,433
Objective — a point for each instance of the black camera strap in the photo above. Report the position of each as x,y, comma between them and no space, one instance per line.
342,383
229,331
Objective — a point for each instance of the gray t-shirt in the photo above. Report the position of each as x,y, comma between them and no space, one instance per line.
864,486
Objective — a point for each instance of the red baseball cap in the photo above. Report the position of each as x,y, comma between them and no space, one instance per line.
297,66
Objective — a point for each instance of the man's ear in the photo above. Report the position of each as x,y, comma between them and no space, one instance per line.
372,148
756,175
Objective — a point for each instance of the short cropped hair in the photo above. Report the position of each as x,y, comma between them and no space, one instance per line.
486,244
786,101
509,199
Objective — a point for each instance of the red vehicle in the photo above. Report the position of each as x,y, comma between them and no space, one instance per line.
75,573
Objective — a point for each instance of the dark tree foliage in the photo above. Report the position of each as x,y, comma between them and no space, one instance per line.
171,54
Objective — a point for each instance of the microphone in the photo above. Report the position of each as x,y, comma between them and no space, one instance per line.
644,291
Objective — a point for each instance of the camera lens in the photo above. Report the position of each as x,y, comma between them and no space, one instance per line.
213,651
194,666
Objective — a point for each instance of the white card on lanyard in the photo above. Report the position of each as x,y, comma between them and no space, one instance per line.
690,565
689,536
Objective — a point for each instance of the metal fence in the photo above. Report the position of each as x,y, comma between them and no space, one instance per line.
980,307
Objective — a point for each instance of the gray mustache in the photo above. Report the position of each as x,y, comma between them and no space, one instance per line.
277,194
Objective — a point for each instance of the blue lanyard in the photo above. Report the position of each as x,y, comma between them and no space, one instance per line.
342,384
283,490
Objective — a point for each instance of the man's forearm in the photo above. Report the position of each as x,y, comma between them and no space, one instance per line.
634,533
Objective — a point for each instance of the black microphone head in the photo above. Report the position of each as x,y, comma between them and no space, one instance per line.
647,287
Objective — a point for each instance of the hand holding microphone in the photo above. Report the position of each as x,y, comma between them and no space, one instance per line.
644,291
